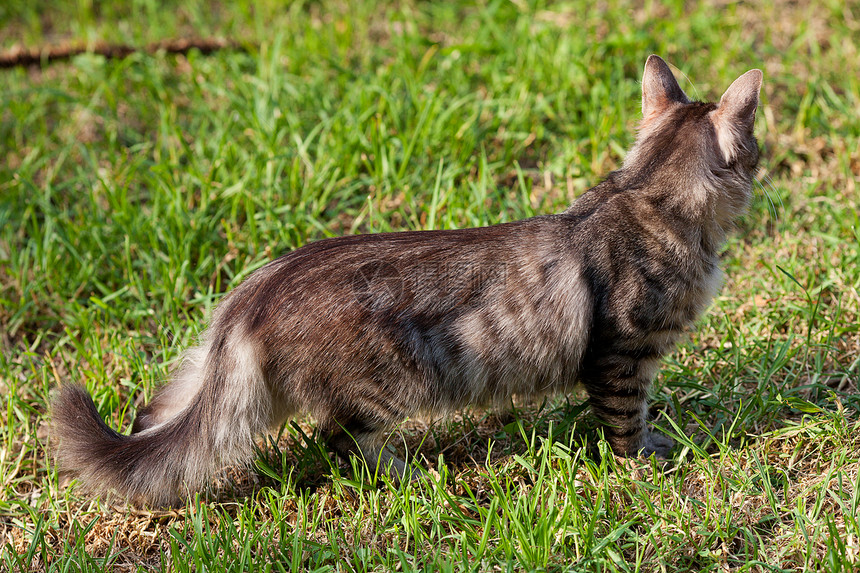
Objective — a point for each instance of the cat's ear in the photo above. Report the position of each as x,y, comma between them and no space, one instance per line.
660,89
734,118
740,101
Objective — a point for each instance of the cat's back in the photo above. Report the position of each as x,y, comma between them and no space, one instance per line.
340,277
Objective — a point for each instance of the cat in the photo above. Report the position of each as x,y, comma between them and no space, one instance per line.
365,331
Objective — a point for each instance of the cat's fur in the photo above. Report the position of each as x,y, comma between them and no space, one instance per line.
365,331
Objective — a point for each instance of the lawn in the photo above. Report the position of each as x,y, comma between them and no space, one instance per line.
136,191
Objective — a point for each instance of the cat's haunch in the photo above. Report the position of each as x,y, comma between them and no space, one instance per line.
364,331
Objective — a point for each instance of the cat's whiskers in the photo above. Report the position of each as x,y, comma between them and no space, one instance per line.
763,181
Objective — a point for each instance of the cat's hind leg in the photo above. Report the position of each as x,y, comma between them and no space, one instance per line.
368,446
363,435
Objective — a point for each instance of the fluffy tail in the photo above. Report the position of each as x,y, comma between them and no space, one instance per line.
207,416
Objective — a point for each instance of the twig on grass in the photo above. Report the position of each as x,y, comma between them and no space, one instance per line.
21,56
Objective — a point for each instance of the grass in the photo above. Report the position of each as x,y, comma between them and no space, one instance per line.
135,192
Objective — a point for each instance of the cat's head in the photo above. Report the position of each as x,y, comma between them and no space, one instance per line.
705,153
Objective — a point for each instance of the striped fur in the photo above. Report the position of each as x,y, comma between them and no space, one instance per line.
365,331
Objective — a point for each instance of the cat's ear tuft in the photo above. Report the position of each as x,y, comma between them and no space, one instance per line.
734,118
660,89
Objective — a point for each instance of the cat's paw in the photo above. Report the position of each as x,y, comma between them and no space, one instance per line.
657,444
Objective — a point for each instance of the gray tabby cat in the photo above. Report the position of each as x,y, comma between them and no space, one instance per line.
364,331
